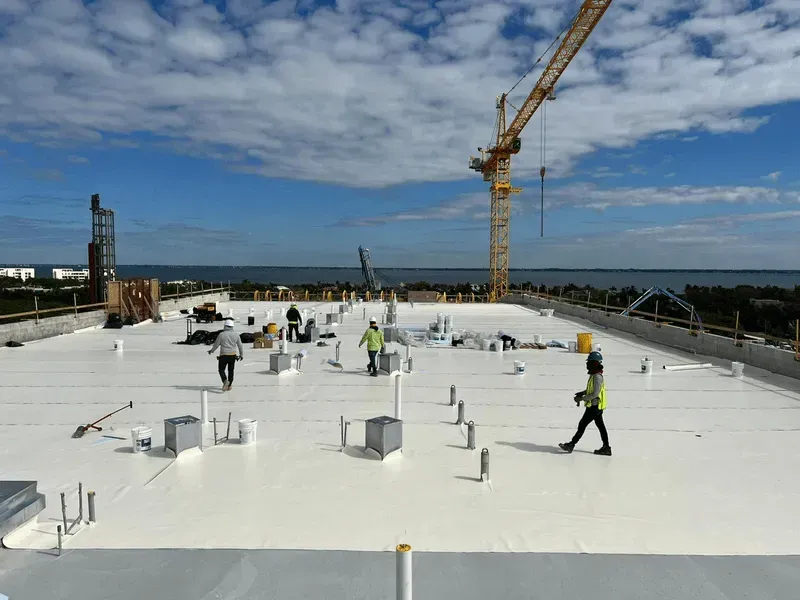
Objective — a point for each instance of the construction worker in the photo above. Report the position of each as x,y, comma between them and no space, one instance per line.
374,339
228,342
295,320
594,399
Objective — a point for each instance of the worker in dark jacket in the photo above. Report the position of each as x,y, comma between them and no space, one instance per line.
594,399
295,320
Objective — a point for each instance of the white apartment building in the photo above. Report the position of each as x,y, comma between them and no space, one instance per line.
22,273
77,274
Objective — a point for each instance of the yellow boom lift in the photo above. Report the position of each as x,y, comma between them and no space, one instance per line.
495,162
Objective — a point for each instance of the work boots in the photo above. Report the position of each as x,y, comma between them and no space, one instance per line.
567,447
604,451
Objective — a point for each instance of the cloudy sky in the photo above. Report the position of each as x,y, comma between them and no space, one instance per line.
288,132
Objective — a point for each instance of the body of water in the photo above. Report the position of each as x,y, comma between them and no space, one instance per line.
288,276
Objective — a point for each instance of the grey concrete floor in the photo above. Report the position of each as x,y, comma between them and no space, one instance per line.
318,575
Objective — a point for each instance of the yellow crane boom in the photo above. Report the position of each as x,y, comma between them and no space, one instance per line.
496,168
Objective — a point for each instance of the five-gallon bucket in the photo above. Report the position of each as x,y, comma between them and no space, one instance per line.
272,328
737,369
519,367
647,365
584,343
141,438
573,346
537,338
247,431
486,344
118,345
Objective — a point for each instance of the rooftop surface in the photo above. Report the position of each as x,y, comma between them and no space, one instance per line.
704,463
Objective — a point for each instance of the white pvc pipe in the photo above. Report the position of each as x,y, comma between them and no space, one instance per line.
403,564
204,407
689,367
408,352
397,397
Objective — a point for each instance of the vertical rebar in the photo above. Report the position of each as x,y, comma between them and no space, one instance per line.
344,440
36,304
228,433
341,429
80,502
92,515
736,330
471,435
460,413
64,511
656,311
452,395
485,464
59,540
403,567
75,304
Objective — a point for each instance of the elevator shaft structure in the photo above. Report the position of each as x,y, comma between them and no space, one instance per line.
102,252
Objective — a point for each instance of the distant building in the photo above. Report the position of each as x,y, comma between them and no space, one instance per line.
22,273
77,274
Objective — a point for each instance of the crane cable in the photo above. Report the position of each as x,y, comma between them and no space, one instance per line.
543,169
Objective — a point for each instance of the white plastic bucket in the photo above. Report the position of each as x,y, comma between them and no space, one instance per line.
537,338
595,347
547,312
498,346
141,438
647,365
737,369
248,429
118,345
573,346
486,345
519,367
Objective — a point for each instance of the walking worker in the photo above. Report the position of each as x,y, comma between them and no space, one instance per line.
228,342
295,320
374,339
594,399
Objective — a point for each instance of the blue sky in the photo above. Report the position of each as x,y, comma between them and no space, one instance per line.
290,133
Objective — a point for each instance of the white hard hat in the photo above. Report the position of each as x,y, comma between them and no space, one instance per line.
228,323
373,320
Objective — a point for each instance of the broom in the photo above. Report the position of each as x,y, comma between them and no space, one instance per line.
84,428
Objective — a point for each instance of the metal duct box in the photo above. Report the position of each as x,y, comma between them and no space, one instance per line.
390,319
280,362
384,435
331,318
313,333
181,433
343,308
389,362
19,503
390,334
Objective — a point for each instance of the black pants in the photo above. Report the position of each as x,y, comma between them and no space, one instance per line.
229,362
372,366
592,413
296,328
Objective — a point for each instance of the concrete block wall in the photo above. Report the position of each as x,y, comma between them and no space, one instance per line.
27,331
188,303
769,358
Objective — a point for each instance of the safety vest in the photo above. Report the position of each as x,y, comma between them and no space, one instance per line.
601,401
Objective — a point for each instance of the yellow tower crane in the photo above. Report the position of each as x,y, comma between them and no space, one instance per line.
495,162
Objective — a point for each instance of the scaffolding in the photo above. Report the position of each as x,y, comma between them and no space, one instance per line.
102,252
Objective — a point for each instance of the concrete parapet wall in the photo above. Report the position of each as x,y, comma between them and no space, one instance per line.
769,358
27,331
189,302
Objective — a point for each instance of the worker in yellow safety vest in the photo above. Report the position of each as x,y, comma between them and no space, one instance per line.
594,399
375,342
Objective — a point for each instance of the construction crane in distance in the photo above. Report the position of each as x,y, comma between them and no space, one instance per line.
495,162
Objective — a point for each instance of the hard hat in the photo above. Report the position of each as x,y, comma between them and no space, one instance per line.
294,305
228,323
596,356
373,320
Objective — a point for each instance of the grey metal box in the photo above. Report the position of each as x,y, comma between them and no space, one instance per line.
384,435
280,362
182,433
390,319
313,334
389,362
343,308
331,318
390,334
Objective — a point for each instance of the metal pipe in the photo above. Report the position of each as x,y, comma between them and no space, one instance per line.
397,396
59,540
688,367
80,502
656,311
75,304
460,420
203,407
452,395
408,352
64,511
215,431
736,331
341,429
36,304
92,515
403,567
485,464
344,441
410,364
228,433
337,350
471,435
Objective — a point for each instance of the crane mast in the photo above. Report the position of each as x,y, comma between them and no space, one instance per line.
495,162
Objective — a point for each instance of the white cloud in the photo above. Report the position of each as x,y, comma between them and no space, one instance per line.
354,94
772,176
78,160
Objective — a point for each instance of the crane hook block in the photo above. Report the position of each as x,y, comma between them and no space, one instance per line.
542,171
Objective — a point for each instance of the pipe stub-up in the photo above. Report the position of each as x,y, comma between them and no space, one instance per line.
485,464
460,420
452,395
471,435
